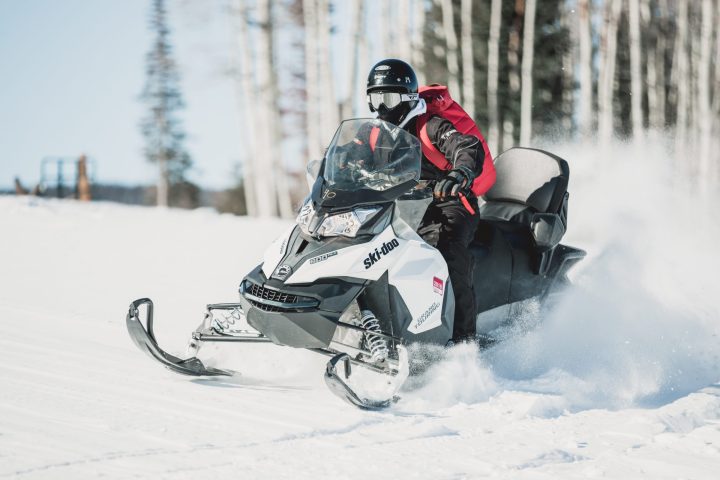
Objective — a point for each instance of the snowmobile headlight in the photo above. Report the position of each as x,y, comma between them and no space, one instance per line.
305,217
346,224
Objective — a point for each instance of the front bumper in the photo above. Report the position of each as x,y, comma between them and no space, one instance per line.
301,316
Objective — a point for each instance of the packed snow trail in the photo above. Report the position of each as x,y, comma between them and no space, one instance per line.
620,381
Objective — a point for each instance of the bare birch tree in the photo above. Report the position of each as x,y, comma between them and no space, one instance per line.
352,54
681,76
527,73
467,58
387,28
636,91
694,33
585,67
418,42
513,60
568,66
312,75
280,168
704,81
606,82
362,56
330,108
246,105
655,62
451,44
715,163
402,37
266,133
493,76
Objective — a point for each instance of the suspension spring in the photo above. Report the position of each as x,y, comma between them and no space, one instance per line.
228,319
376,343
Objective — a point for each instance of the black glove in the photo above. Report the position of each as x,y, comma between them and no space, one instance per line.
457,181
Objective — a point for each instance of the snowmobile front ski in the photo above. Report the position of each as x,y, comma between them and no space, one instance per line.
144,338
339,387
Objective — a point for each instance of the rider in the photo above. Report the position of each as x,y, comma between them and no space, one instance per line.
450,221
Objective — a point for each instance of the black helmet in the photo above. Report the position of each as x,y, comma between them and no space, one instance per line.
392,90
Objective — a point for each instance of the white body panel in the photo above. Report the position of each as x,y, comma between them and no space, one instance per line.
416,269
275,252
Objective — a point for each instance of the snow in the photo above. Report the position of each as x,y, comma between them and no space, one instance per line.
620,381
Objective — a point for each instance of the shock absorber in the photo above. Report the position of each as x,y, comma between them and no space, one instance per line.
376,343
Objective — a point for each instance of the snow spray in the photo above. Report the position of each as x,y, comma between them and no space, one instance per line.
641,325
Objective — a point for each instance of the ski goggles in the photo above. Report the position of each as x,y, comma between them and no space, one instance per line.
390,99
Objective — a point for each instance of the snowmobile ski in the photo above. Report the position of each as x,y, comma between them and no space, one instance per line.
144,338
339,387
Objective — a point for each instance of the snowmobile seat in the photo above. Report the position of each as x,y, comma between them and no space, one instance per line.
528,202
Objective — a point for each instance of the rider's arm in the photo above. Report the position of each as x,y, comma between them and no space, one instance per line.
459,149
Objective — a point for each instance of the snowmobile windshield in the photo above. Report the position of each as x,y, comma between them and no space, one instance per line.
369,154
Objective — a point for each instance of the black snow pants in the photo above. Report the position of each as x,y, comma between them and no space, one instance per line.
450,228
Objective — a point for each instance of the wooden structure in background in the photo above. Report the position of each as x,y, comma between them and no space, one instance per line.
83,183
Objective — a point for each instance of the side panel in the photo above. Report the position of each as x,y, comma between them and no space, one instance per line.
420,276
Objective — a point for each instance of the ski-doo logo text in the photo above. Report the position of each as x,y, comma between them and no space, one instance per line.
375,256
421,319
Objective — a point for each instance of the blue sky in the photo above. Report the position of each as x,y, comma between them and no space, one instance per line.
72,74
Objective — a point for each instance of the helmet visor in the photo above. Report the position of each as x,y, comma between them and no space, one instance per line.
389,99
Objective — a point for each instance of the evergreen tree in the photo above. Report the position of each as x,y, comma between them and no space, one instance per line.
163,131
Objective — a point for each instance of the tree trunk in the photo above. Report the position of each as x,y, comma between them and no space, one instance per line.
715,164
694,24
267,153
493,76
402,39
656,64
585,42
704,108
387,29
527,74
330,108
451,44
606,82
513,57
246,107
279,170
163,190
312,91
681,78
362,60
467,58
636,91
352,55
650,38
418,42
716,89
568,64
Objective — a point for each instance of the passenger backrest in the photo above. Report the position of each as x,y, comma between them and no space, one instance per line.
528,203
531,177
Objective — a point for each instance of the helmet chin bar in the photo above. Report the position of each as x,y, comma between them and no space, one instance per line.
419,109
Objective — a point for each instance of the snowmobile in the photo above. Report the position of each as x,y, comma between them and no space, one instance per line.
352,279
